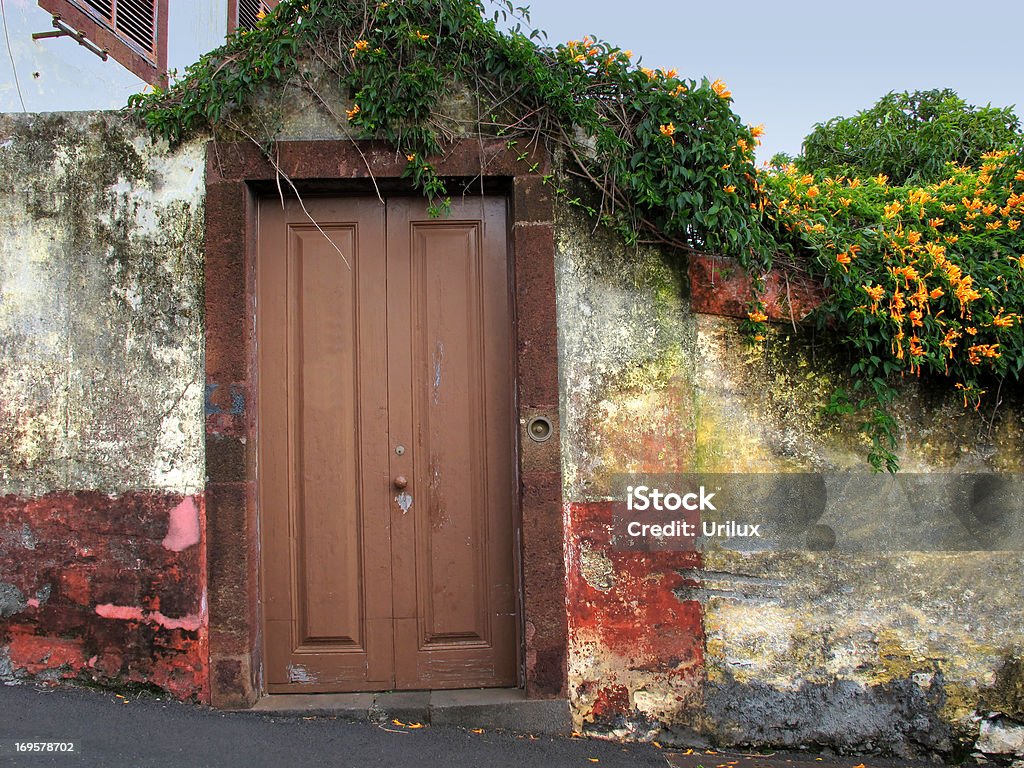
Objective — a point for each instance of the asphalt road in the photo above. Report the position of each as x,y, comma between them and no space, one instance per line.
115,732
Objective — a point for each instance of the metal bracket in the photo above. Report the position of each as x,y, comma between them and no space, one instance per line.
63,29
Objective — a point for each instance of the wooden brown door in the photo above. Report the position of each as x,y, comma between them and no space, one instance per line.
386,445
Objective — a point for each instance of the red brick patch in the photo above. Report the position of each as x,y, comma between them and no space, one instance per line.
719,286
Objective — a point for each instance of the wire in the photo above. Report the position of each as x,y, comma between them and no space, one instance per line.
17,82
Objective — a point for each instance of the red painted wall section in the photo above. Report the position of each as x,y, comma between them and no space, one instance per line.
626,620
107,589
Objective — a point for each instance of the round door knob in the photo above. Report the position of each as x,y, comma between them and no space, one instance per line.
400,482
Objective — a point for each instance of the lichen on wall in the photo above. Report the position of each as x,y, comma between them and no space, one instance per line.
625,344
101,314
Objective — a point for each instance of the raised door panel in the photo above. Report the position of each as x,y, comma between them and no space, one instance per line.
323,447
451,392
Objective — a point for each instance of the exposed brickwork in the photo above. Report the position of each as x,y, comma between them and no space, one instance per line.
107,589
719,286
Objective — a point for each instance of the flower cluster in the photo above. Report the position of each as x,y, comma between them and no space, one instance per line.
920,277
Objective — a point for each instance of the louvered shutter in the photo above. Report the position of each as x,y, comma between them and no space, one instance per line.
244,14
133,32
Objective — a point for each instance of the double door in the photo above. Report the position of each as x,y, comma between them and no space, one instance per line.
386,455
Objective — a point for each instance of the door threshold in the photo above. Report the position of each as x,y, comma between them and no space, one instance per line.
488,708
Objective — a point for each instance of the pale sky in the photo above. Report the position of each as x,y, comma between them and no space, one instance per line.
793,63
788,63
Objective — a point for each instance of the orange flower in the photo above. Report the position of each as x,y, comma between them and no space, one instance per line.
949,342
679,90
351,113
875,293
965,293
757,131
649,72
729,188
978,351
893,208
757,316
936,222
668,129
670,73
915,347
719,87
421,36
411,157
812,191
843,258
359,45
1013,224
1004,321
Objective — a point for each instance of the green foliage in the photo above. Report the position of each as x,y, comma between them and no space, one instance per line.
921,279
909,137
674,161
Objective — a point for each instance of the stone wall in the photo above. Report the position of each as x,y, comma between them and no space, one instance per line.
854,651
101,403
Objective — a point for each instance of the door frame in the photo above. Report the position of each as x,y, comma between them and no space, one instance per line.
236,175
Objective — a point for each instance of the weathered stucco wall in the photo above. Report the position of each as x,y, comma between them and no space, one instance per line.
891,651
102,506
101,402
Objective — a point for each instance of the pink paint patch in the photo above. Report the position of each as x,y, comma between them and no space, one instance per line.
133,613
125,612
32,602
183,530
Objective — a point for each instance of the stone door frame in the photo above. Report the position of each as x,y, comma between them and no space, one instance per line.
236,175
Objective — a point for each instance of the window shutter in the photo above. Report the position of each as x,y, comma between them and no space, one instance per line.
134,32
244,14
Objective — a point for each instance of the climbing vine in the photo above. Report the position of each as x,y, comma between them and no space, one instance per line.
919,279
922,279
674,162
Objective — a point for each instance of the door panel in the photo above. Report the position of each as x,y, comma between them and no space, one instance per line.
450,366
323,446
384,352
